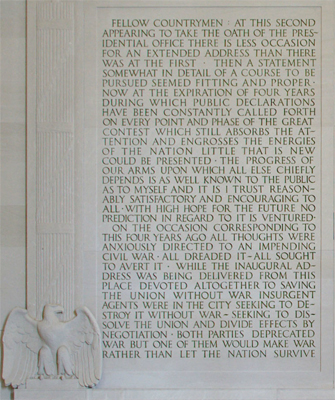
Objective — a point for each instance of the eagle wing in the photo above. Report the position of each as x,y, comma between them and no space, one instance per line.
84,340
21,346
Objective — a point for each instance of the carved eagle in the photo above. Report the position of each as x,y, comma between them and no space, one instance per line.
51,348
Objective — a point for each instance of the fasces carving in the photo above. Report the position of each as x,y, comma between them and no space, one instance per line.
55,157
51,348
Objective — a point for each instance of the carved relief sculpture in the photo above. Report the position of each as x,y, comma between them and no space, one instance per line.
51,348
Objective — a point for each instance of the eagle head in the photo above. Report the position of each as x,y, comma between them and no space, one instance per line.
52,310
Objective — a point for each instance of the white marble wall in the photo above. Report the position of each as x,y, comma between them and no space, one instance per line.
13,149
12,198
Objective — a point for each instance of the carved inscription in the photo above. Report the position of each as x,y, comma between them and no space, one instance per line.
209,185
